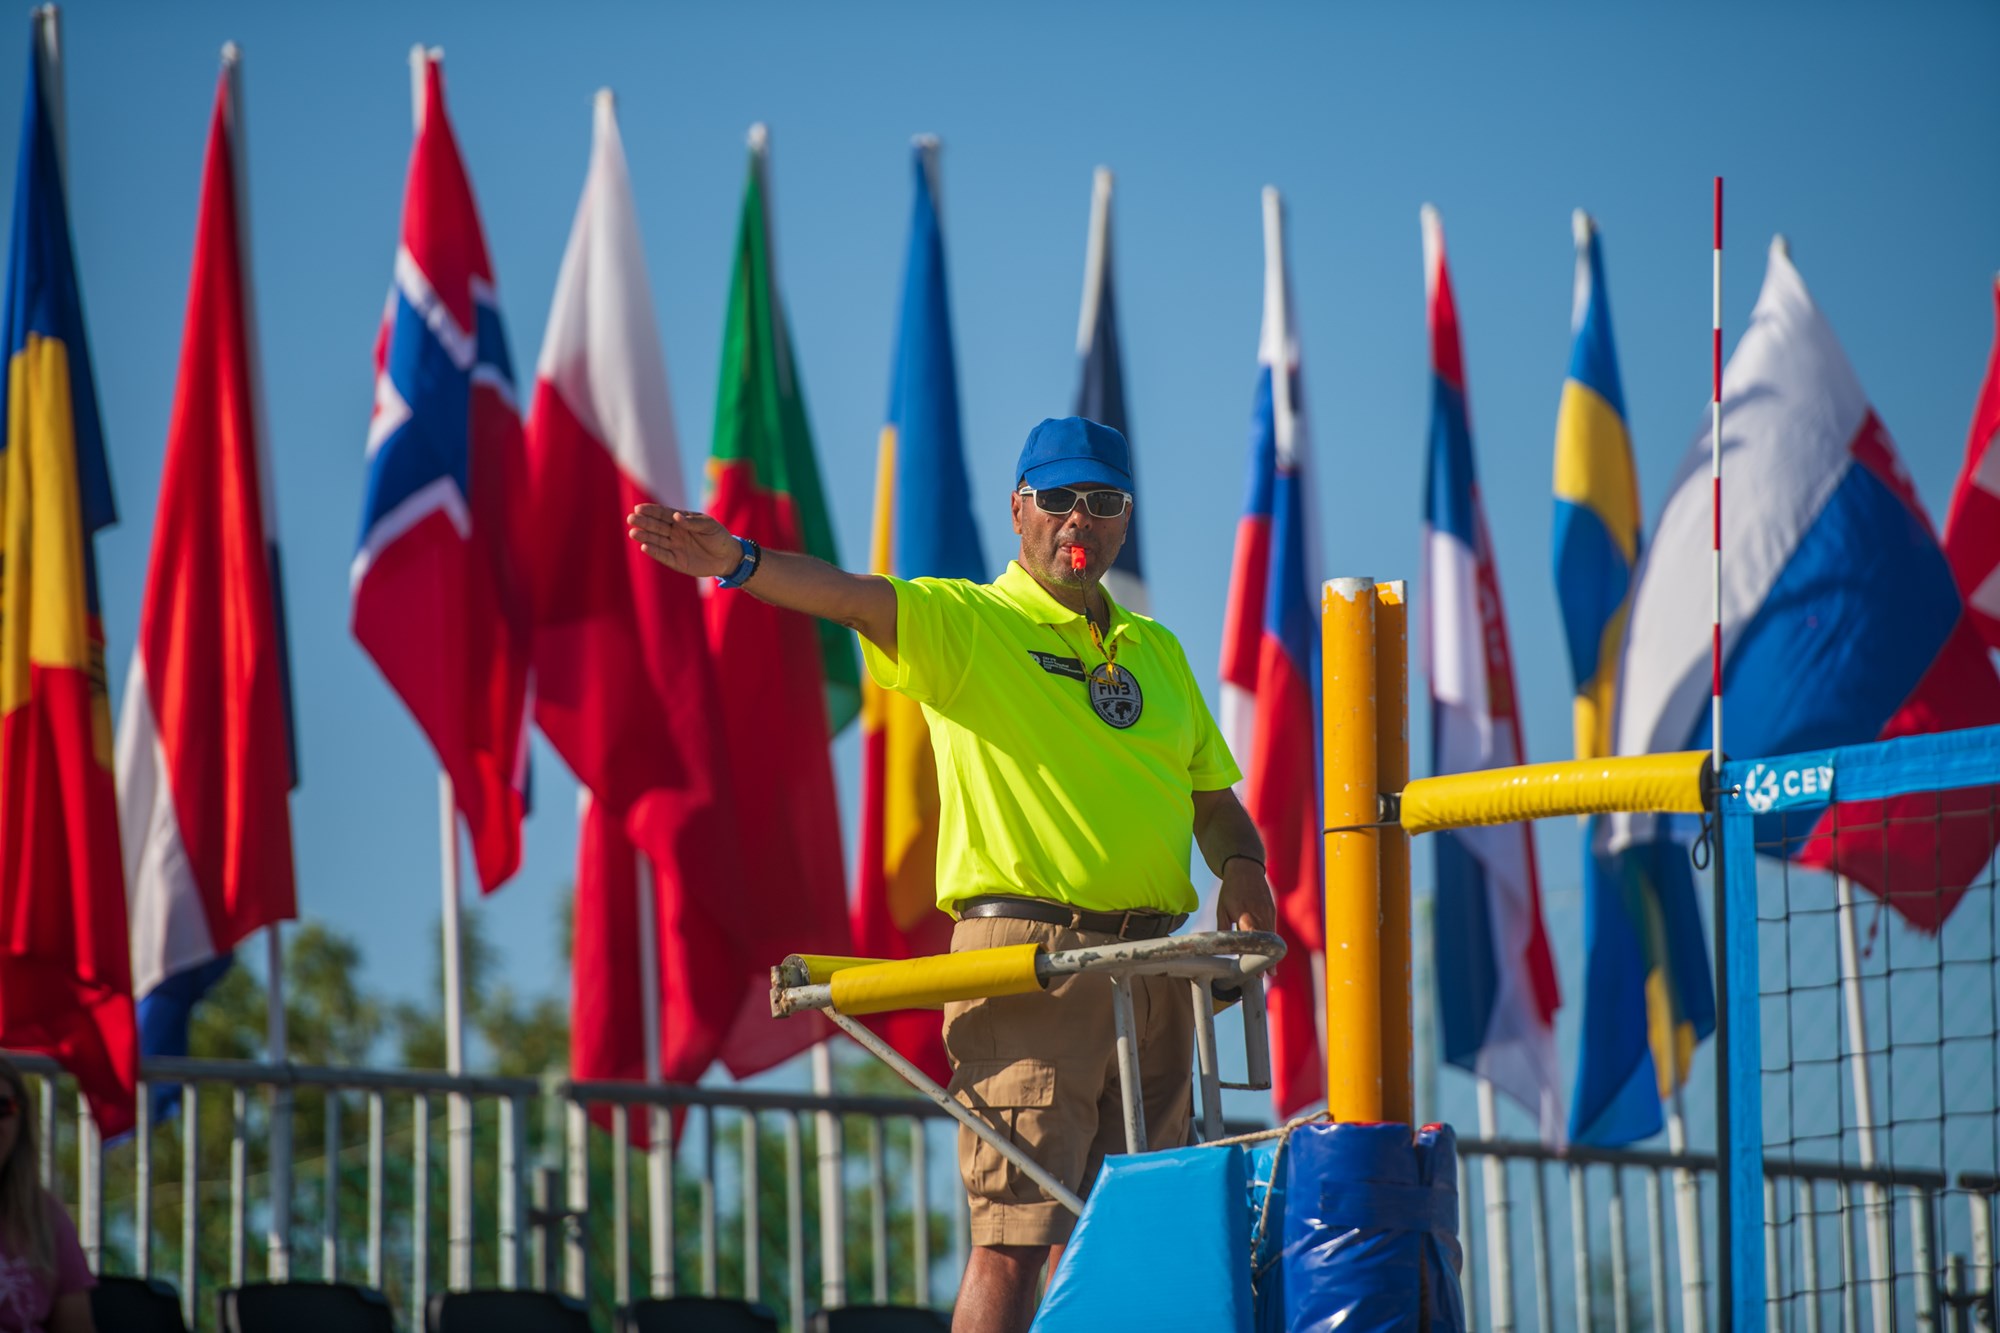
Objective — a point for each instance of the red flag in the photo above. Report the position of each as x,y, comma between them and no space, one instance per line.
625,689
205,758
65,960
699,973
1972,524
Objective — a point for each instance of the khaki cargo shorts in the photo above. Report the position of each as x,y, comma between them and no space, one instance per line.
1043,1069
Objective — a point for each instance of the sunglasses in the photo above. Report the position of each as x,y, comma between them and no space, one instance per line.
1062,499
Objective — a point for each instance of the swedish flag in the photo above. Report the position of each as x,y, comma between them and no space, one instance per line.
1597,503
1647,998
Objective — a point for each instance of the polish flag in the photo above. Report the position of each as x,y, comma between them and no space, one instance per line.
625,689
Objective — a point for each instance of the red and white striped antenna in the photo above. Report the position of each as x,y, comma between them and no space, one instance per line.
1715,476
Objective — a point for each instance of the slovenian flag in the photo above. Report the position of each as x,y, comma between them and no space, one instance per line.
923,526
1842,621
65,957
206,758
1100,390
437,599
1270,680
1497,993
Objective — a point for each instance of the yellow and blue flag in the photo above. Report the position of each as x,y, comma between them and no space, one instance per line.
1597,503
65,954
1647,995
924,527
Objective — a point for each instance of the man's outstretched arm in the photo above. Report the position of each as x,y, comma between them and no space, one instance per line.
697,545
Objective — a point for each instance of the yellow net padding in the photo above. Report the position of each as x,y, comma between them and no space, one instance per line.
1646,783
926,983
820,967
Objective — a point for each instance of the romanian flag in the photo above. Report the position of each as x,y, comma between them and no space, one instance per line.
923,526
785,681
65,958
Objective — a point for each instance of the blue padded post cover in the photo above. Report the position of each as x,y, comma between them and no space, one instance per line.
1162,1245
1371,1230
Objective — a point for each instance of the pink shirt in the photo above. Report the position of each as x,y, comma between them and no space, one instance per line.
27,1295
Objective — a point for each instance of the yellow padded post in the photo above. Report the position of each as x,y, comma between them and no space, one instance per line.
1648,783
1353,882
926,983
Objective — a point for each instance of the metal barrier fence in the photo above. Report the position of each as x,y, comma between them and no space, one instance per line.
553,1209
1593,1269
571,1195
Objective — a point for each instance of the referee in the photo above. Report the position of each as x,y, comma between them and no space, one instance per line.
1077,765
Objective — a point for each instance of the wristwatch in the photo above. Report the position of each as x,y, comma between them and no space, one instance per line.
753,554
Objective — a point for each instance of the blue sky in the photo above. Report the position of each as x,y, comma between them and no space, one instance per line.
1867,136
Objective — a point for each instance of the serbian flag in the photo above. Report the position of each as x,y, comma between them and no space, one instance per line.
65,957
1100,390
624,686
437,599
205,753
1497,993
923,526
1842,621
786,681
1972,524
1270,683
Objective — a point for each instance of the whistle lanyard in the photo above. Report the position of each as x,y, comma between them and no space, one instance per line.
1107,647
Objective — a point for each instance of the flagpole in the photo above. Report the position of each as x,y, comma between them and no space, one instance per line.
1687,1190
458,1112
1096,251
1878,1221
659,1139
278,1229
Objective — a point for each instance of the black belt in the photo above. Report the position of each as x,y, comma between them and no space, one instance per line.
1133,925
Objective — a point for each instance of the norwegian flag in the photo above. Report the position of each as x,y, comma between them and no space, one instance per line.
1270,680
436,599
1972,525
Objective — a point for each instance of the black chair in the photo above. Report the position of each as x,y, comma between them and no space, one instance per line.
879,1319
135,1305
505,1312
696,1314
305,1307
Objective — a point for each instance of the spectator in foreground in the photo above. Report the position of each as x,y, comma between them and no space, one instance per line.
45,1281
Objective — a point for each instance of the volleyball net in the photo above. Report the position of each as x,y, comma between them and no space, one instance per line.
1862,1029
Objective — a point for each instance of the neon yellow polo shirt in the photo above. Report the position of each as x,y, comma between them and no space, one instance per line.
1050,786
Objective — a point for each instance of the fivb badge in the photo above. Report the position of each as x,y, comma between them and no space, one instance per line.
1803,780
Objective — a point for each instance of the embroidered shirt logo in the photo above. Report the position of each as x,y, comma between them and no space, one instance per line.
1058,666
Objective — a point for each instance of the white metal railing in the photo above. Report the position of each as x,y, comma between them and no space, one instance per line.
548,1228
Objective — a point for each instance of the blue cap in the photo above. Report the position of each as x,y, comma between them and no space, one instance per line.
1074,451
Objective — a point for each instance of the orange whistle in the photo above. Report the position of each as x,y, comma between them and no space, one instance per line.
1077,558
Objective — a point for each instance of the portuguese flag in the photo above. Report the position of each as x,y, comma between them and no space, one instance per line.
788,682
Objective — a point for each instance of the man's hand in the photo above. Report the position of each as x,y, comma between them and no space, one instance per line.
1244,902
686,542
